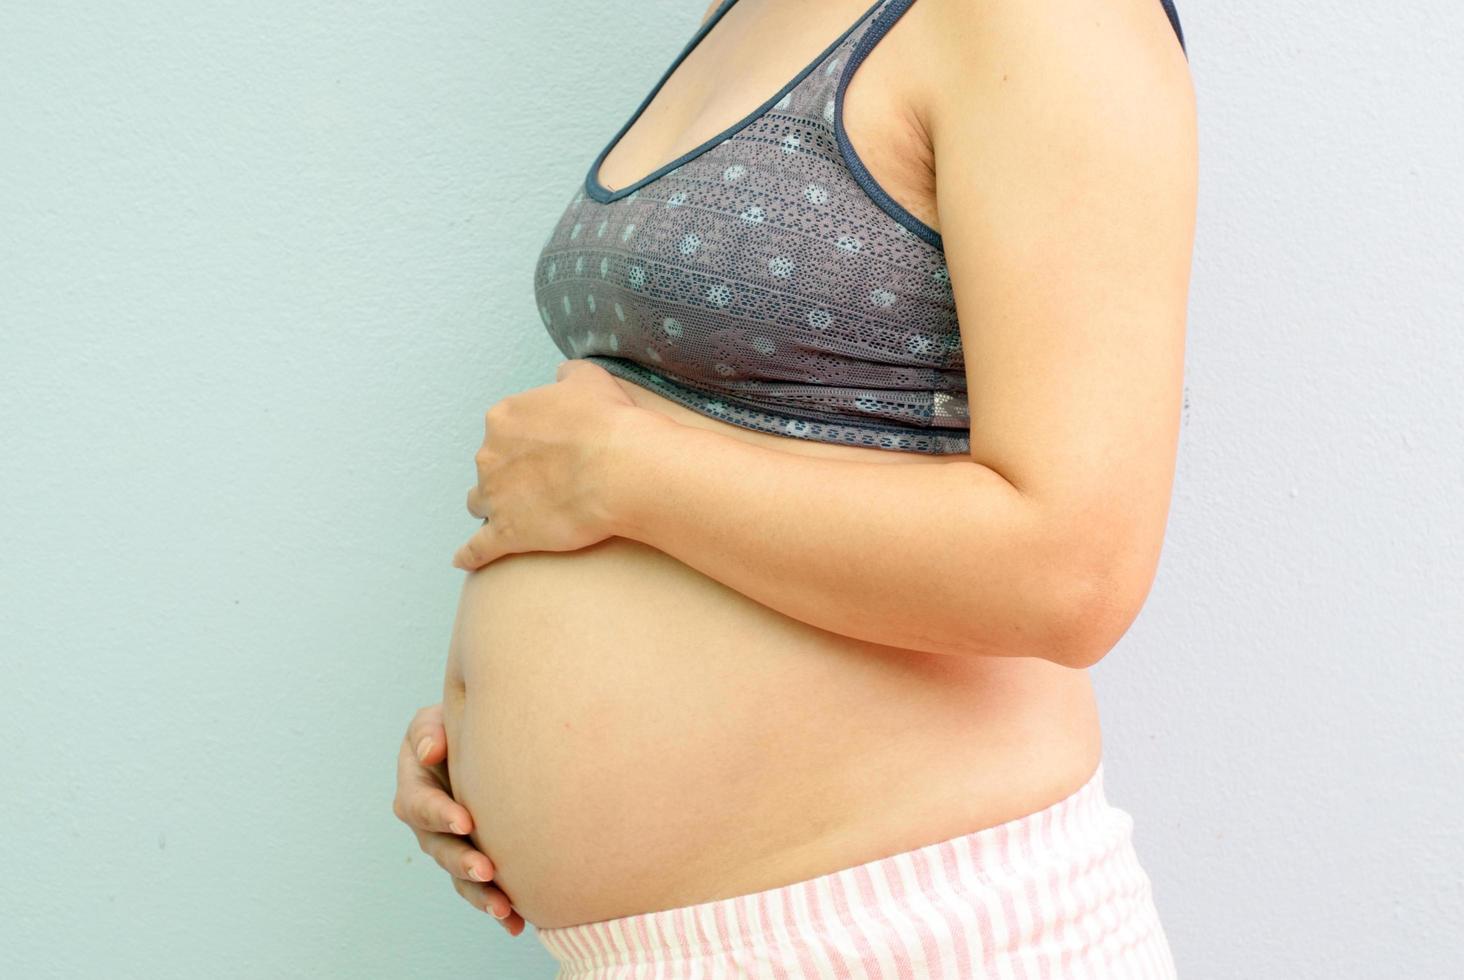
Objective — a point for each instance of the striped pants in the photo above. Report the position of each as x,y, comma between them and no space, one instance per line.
1054,894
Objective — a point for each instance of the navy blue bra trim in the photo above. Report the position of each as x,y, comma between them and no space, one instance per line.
887,18
597,191
1174,22
856,166
679,388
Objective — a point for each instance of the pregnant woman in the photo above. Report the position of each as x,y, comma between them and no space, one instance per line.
771,657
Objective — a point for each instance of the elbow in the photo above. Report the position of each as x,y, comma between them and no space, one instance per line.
1098,562
1094,612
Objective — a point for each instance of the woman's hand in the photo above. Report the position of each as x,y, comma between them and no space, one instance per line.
423,803
543,469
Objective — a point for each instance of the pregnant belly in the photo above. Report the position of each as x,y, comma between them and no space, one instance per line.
631,735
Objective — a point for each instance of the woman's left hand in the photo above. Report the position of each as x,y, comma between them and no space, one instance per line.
543,466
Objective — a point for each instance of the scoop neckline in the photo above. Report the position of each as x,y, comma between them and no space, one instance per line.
599,192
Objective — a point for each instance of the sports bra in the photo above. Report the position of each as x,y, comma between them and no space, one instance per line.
765,278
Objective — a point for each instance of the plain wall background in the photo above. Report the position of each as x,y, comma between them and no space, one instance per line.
262,268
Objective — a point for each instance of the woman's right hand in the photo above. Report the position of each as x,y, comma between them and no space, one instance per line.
441,824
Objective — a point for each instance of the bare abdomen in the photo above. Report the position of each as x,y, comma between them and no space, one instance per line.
631,735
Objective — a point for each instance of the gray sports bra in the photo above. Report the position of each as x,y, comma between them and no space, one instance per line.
765,278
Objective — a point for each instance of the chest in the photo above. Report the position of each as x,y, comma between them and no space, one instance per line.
728,75
765,275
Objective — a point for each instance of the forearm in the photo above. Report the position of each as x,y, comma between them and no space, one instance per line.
948,559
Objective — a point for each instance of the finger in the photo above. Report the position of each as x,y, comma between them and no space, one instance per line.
411,769
428,713
421,801
456,855
485,897
427,736
478,501
484,546
514,924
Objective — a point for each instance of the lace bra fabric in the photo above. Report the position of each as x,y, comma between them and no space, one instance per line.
765,278
756,281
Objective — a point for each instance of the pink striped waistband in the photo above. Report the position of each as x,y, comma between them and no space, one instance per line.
1083,820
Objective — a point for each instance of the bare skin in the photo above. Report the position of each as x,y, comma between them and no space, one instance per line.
632,735
424,803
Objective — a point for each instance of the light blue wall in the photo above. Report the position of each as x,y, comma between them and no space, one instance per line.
263,266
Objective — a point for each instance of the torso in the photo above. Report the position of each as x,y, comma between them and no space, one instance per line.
631,735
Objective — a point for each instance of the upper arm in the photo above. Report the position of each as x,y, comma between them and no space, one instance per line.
1065,155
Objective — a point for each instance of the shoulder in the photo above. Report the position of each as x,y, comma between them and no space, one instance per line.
1060,27
1106,66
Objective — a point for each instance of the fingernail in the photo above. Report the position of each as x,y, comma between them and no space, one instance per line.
493,912
423,747
456,827
475,875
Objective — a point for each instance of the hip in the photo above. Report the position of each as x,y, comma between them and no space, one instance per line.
1055,893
